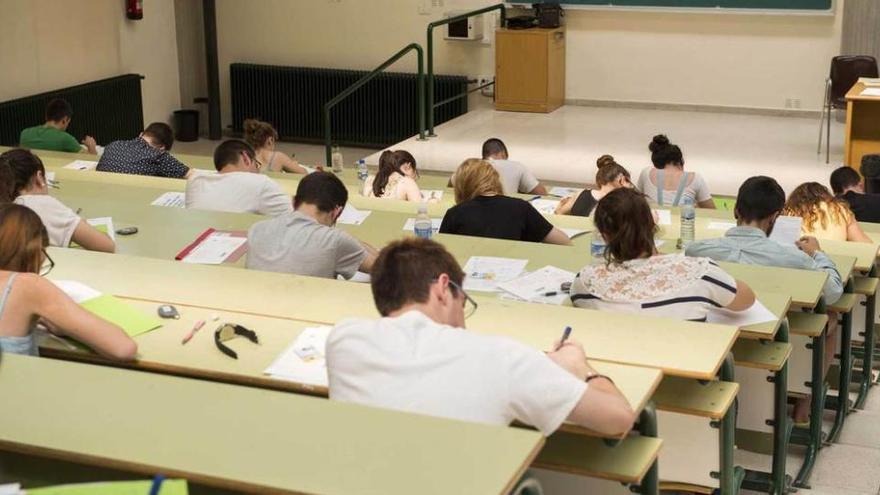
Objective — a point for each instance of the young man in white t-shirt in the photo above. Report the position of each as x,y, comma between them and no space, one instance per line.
237,186
419,358
515,177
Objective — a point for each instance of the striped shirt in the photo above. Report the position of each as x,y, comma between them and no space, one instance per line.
670,286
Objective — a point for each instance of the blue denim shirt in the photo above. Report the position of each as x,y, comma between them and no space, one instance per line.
750,246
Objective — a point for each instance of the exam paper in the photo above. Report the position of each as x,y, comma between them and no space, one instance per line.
304,360
105,225
533,286
214,249
77,291
572,233
484,273
787,230
664,217
545,206
563,192
352,216
81,165
410,224
870,92
171,200
725,226
758,313
432,195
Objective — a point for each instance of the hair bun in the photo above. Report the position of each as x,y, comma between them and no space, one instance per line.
659,142
605,161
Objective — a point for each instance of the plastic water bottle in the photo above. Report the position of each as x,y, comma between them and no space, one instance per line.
337,160
597,245
688,221
423,227
363,173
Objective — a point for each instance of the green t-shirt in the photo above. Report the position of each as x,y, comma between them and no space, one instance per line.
48,138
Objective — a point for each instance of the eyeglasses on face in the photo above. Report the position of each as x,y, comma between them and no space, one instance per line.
470,305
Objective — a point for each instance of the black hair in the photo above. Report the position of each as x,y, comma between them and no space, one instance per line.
322,189
388,164
843,178
759,198
663,152
493,146
57,109
229,152
24,166
161,133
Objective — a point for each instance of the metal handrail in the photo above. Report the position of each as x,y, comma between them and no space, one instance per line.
430,45
420,100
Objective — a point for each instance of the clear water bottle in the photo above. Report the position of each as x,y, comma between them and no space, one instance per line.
423,227
336,158
597,245
688,221
363,173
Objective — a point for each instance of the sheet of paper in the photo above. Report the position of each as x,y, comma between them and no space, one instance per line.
664,217
50,176
572,233
10,489
870,81
105,225
169,487
410,224
81,165
787,230
484,273
563,192
870,92
659,243
758,313
352,216
171,200
77,291
725,226
432,195
545,206
215,249
114,310
540,285
303,361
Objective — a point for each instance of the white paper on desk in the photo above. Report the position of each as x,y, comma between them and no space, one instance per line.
545,206
787,230
107,223
564,192
572,233
410,224
359,277
77,291
50,176
870,81
758,313
171,200
432,195
214,249
484,273
352,216
11,489
532,286
870,92
659,243
81,165
664,217
725,226
303,361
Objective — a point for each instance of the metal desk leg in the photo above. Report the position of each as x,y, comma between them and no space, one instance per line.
842,403
647,427
731,476
868,357
817,405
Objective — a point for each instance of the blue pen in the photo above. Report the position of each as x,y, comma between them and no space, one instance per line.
565,334
157,484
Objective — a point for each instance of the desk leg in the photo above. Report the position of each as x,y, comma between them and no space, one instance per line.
868,349
842,404
647,427
731,475
813,438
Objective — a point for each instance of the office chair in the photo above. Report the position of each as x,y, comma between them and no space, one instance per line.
845,72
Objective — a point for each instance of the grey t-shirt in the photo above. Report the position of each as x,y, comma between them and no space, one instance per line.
296,243
515,177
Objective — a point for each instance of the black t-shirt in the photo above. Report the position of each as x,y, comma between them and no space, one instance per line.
865,206
584,204
500,217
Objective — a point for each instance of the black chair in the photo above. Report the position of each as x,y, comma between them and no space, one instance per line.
845,72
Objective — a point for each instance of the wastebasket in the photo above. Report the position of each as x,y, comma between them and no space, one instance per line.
871,172
186,125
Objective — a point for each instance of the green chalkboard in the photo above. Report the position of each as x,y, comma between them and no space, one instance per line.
811,5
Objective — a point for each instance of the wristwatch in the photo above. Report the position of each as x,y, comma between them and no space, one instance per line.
592,376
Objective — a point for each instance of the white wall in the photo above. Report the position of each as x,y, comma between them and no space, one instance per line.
50,44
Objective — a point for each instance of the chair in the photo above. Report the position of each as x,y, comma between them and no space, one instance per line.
845,72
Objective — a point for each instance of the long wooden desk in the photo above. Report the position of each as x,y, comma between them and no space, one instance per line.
862,132
246,439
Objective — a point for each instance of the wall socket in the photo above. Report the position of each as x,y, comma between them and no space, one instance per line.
793,103
485,79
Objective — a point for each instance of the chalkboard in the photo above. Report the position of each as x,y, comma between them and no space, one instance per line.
809,5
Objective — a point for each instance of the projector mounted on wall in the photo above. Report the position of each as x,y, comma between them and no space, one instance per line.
470,29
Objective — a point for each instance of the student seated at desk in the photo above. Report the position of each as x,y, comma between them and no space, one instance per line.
396,178
31,189
262,137
419,358
482,210
610,176
237,186
304,241
53,135
847,185
28,299
635,278
825,216
515,177
147,154
666,183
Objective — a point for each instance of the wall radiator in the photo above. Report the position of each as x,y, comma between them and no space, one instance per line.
292,99
108,110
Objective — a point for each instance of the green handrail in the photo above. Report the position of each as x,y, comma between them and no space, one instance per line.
420,99
430,45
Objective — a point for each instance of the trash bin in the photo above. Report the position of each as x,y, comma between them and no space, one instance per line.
871,172
186,125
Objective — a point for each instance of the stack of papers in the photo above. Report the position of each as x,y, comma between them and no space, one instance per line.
114,310
214,249
410,224
303,361
352,216
563,192
484,273
545,206
103,225
541,286
171,200
432,195
81,165
758,313
664,217
787,230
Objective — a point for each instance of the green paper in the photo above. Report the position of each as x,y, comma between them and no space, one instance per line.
114,310
169,487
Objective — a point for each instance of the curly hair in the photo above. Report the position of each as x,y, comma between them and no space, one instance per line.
806,202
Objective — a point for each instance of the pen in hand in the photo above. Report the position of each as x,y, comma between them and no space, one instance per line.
565,334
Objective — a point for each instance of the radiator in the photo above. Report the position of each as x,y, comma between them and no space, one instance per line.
381,113
108,110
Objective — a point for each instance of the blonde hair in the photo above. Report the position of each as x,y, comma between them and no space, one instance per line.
806,202
257,132
475,177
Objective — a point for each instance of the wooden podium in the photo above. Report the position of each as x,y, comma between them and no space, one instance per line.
862,126
529,69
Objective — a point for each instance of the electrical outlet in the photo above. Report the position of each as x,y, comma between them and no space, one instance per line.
485,79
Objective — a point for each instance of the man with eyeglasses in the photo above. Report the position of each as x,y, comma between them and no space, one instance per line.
419,358
237,186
